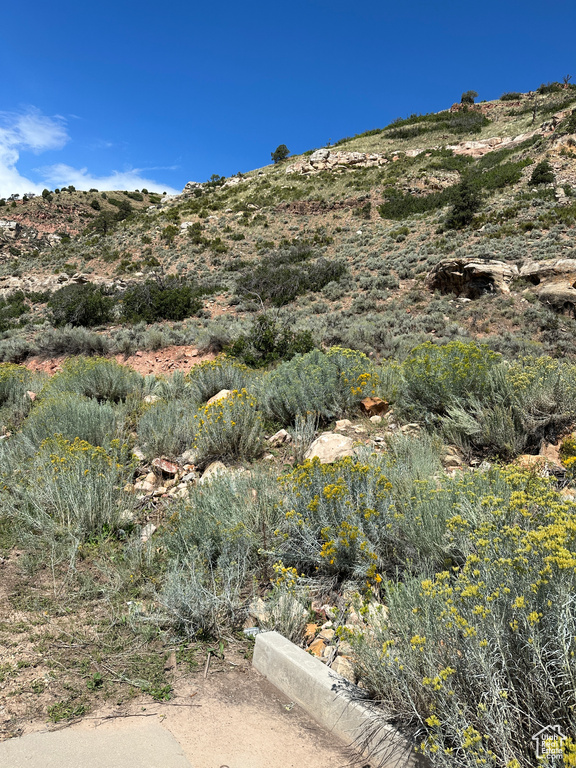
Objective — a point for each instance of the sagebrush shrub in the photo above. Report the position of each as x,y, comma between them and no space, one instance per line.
209,378
73,487
329,383
230,428
98,378
166,428
72,416
504,617
437,376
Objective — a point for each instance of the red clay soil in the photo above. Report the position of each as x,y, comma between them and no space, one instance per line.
160,362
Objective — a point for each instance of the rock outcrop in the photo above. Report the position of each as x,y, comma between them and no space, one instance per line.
554,282
328,160
471,278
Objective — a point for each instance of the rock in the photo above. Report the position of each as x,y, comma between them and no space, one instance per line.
143,485
553,282
471,278
151,399
31,396
138,453
330,447
279,438
257,609
376,419
219,396
151,478
147,532
310,633
327,634
344,668
452,462
342,424
552,452
542,466
189,457
373,406
216,468
165,466
316,647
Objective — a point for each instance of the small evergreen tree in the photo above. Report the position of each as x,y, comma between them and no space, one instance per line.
467,201
468,97
543,173
280,153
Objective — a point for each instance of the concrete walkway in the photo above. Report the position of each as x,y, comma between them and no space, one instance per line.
231,720
134,745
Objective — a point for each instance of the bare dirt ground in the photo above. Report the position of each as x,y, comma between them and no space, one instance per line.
159,362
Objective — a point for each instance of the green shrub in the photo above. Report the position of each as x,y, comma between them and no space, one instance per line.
289,272
72,487
207,379
72,416
73,341
230,428
467,201
268,341
543,173
511,96
280,153
468,97
330,384
214,543
505,618
166,428
97,378
435,377
169,298
78,304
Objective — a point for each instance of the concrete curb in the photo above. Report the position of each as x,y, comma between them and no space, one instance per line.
332,701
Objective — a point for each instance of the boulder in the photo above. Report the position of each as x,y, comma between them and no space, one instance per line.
471,278
373,406
219,396
330,447
167,467
342,424
216,468
344,668
279,438
554,282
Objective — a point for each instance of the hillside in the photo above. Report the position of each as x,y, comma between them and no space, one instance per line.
365,217
334,397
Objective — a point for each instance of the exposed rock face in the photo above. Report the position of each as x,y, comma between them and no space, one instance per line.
471,278
327,160
554,282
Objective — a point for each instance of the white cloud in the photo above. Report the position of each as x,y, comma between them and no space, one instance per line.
62,175
31,131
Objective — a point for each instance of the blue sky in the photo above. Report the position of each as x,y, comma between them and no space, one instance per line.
131,94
